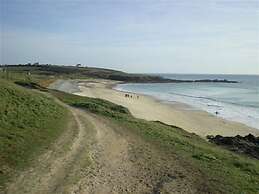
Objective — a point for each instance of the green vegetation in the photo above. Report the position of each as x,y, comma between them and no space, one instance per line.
51,71
225,172
29,122
94,105
78,72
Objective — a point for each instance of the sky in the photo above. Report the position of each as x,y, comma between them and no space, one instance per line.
143,36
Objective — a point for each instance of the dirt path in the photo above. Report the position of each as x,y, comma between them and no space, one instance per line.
126,164
51,168
96,156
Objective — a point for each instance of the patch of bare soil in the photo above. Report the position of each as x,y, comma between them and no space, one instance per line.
95,155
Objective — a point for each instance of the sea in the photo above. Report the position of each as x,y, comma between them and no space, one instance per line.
232,101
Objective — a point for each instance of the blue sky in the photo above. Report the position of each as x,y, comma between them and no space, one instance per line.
150,36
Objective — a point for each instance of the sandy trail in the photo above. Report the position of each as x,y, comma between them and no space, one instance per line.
96,156
126,164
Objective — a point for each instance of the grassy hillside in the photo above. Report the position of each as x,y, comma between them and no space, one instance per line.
224,171
29,122
50,71
41,72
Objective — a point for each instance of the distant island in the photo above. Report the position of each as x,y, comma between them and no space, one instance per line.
79,71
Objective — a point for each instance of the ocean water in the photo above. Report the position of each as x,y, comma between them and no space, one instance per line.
232,101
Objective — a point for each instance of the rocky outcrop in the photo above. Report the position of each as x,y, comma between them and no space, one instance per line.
248,145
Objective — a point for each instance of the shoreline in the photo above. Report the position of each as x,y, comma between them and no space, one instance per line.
150,108
216,110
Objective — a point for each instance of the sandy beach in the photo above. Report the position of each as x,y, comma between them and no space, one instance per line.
149,108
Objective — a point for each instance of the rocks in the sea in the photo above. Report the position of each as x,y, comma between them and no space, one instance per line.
248,145
216,80
201,80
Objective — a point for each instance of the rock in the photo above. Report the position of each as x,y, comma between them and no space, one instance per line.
248,145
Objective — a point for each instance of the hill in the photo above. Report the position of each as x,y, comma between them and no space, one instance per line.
92,72
160,157
82,72
221,171
29,122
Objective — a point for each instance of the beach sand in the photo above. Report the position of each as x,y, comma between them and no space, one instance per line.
178,114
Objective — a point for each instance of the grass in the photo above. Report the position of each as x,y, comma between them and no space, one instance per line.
224,171
29,122
94,105
72,72
20,75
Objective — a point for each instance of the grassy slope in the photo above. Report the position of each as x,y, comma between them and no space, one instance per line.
29,122
76,73
226,172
